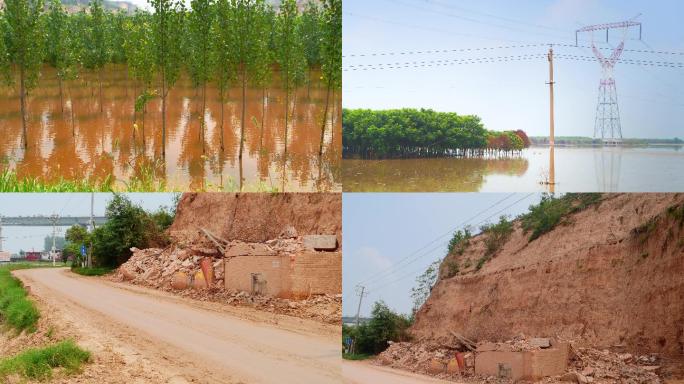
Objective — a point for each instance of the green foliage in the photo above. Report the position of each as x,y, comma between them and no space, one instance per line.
459,241
290,48
128,225
25,37
421,133
38,363
550,211
16,310
331,49
385,325
96,53
424,284
496,235
10,182
452,268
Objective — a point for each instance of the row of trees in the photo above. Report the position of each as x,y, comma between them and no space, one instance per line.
372,337
230,42
405,133
128,225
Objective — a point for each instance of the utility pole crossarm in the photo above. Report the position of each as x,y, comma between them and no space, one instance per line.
621,24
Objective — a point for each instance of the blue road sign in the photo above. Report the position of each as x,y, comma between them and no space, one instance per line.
83,250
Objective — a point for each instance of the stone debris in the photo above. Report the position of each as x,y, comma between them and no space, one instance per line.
177,269
321,242
586,365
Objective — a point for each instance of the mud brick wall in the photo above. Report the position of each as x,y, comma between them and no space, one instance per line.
274,269
287,276
317,273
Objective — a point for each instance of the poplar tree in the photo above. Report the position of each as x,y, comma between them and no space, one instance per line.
59,54
139,47
167,22
97,48
331,52
221,55
290,52
311,37
23,33
199,65
248,43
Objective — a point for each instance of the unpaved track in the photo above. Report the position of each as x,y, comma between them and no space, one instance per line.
358,372
200,345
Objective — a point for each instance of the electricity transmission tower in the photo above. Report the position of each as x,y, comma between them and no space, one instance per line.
607,123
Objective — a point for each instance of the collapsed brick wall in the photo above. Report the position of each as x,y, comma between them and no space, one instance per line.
301,275
589,280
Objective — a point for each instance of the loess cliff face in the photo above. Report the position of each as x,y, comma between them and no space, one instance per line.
610,275
257,217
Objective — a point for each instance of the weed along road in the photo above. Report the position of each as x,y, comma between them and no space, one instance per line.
361,372
199,344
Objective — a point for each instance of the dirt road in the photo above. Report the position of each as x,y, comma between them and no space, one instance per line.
187,343
357,372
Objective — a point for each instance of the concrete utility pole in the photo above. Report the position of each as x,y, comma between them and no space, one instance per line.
361,291
1,238
89,258
552,138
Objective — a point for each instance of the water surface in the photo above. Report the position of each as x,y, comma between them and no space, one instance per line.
577,169
109,140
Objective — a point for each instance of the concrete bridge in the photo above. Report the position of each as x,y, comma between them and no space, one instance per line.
46,221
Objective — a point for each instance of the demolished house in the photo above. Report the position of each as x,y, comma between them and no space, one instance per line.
249,247
599,298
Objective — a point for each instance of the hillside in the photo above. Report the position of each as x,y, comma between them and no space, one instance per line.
610,274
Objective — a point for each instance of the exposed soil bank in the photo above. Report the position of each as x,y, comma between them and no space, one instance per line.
610,276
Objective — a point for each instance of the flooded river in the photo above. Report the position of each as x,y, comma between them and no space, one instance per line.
96,145
651,169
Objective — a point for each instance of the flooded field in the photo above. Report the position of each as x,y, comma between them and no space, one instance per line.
652,169
116,145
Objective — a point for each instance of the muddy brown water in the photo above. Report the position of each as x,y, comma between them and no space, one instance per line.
97,144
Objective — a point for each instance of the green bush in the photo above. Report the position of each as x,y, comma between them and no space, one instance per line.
550,211
459,241
452,268
496,235
385,325
37,363
95,271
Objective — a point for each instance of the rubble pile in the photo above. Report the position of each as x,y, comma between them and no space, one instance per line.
428,358
590,365
178,269
586,365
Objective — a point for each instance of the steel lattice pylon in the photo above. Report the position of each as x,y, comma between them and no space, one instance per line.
607,124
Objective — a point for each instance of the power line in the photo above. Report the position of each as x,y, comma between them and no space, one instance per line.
433,241
442,63
481,222
392,270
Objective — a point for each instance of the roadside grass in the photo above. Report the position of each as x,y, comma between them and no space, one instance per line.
38,363
16,310
10,182
96,271
356,356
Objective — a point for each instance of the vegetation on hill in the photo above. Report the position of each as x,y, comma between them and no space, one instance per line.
407,133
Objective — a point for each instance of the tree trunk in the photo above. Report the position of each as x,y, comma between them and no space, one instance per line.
22,97
163,154
204,108
263,114
71,109
325,119
99,79
242,119
221,125
287,110
61,98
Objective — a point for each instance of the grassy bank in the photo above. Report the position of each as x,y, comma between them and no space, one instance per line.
356,356
96,271
16,310
38,363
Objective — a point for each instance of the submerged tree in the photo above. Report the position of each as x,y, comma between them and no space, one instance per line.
167,21
96,48
199,37
331,55
311,30
290,52
23,34
139,48
248,43
57,48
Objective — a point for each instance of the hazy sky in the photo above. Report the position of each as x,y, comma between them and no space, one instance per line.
64,204
382,233
514,94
